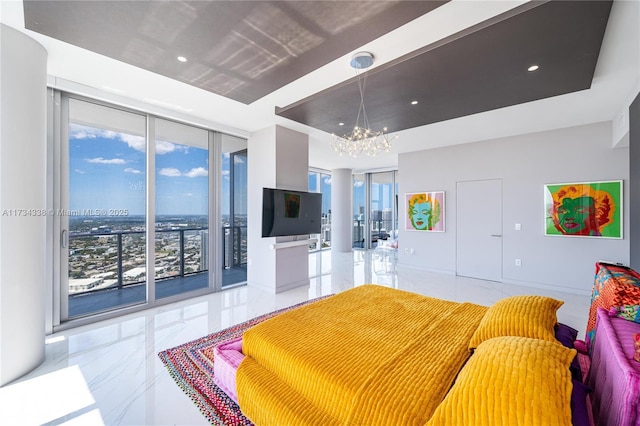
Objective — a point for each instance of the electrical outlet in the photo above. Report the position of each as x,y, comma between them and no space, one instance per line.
518,262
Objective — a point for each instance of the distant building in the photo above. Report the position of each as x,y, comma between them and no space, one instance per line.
138,272
83,284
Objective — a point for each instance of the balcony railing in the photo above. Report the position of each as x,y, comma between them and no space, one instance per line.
181,252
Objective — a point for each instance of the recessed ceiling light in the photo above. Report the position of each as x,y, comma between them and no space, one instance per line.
414,102
181,59
533,68
341,124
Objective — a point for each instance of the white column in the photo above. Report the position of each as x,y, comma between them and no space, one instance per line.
278,158
341,211
23,99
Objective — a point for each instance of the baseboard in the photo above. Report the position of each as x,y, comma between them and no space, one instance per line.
586,292
424,269
280,288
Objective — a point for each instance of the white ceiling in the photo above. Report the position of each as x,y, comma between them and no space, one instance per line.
615,84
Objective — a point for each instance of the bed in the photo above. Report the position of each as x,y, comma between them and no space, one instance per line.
374,355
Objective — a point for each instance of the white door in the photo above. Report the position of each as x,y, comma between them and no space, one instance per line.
479,229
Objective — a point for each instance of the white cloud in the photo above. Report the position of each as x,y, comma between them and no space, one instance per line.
163,147
197,172
358,184
169,171
134,171
77,131
238,160
79,171
100,160
327,180
136,142
188,194
81,134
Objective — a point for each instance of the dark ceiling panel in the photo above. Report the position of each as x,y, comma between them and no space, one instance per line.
242,50
480,69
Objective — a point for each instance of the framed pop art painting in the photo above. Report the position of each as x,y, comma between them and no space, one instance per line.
584,209
425,211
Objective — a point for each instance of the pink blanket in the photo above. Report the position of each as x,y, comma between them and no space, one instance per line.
227,357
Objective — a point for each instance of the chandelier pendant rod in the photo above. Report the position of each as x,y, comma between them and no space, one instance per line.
362,138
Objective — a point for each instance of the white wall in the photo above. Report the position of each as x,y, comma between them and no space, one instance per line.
524,163
261,261
278,158
23,94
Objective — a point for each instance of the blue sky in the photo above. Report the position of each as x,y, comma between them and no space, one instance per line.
107,170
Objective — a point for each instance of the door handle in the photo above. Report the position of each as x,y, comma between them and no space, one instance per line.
64,238
496,235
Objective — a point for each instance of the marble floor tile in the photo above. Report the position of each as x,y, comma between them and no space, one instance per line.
108,373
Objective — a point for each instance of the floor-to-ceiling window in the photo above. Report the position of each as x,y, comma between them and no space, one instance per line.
103,213
394,235
321,182
359,207
182,208
234,210
375,208
134,197
382,198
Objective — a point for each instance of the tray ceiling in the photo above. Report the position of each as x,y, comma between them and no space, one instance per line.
247,50
242,50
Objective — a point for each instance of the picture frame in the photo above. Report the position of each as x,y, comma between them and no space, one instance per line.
425,211
584,209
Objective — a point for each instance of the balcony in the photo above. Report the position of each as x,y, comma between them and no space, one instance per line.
107,269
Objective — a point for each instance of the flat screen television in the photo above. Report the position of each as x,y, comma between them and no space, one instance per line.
286,212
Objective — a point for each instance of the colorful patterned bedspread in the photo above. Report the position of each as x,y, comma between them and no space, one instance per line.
371,355
615,288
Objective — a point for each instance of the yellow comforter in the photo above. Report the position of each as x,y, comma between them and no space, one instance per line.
370,355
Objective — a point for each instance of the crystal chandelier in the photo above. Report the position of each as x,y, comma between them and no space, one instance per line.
362,138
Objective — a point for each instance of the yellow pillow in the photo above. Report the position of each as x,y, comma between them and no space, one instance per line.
511,381
525,316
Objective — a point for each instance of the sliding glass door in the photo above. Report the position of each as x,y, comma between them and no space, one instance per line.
181,208
135,199
375,208
234,210
103,215
382,200
359,207
321,182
